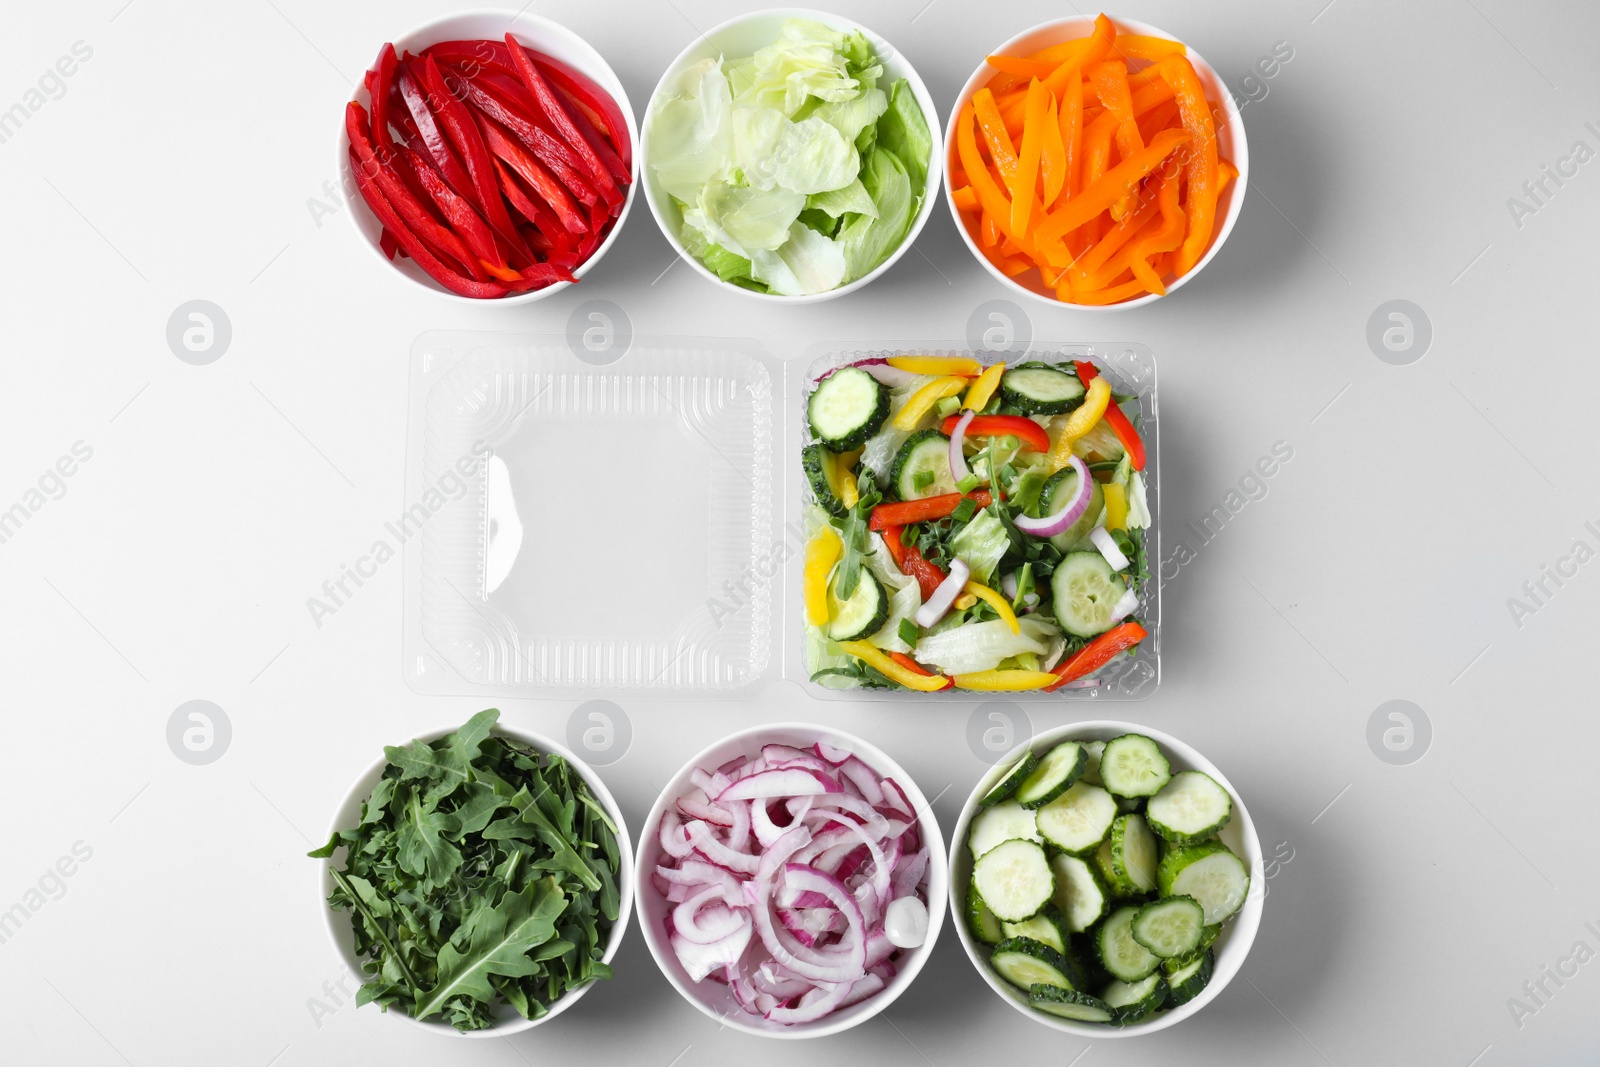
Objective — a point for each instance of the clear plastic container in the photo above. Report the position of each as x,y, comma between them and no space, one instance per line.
572,525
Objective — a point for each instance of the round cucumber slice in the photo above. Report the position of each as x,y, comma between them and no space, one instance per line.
1054,775
1024,962
1061,488
1014,880
1131,1001
1006,821
1190,808
1081,895
863,614
1010,780
1134,853
846,408
1120,954
925,453
1041,390
1169,927
1133,766
814,460
1069,1004
1218,880
1084,590
1079,819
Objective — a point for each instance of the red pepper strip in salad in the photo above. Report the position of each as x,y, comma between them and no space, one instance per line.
928,575
916,668
414,246
382,81
456,210
559,118
544,224
549,151
540,180
1119,423
464,133
405,204
595,99
1029,432
439,151
1097,653
897,551
925,510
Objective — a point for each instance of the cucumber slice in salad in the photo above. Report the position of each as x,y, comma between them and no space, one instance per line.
1061,487
1171,926
1069,1004
1216,878
1190,808
1024,962
1079,819
1010,780
1005,821
846,408
1085,590
1081,895
1054,775
1131,1001
814,460
1186,982
1120,954
980,920
1041,390
1014,880
925,453
1045,928
863,614
1134,853
1208,937
1133,766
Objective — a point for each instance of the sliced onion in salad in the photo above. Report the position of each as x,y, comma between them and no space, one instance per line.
958,437
1050,525
939,603
879,368
1108,548
1126,605
796,892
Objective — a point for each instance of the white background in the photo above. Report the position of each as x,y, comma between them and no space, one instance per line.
179,164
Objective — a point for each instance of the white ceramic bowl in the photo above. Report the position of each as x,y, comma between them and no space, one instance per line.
1230,144
507,1021
715,999
535,32
742,36
1239,835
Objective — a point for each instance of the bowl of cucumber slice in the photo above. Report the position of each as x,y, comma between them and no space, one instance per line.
1102,877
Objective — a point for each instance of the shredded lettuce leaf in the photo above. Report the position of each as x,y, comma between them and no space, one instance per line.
981,646
868,241
807,262
905,596
691,131
904,131
980,544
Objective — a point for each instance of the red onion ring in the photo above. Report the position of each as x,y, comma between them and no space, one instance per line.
1049,526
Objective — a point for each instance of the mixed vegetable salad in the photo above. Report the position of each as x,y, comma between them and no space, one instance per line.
1098,879
795,171
798,877
971,527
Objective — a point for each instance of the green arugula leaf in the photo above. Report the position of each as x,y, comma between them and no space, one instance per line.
501,939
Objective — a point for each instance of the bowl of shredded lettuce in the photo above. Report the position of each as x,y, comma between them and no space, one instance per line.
787,154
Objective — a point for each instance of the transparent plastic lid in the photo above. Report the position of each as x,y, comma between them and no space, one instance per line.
572,523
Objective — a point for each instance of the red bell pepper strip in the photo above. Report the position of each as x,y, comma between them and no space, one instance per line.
916,668
560,119
542,274
928,575
927,509
897,551
464,133
439,152
595,99
1116,419
540,180
387,243
1029,432
413,245
549,151
1097,653
382,81
394,190
457,211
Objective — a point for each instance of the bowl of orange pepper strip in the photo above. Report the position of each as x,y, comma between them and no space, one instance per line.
1096,163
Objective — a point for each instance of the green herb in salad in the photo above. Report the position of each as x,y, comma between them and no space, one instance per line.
794,169
481,872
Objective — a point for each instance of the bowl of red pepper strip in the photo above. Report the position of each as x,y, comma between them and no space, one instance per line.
1134,136
489,156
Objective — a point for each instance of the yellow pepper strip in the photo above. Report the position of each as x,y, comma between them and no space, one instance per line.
982,390
822,553
925,683
844,469
1081,421
923,399
964,601
1000,604
1116,506
940,365
1004,681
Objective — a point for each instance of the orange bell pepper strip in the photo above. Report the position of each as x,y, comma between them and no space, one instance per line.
1052,157
1150,96
995,135
1157,119
1097,654
964,198
1114,294
1226,172
928,509
988,230
1071,114
1111,86
1116,182
1139,46
1026,176
1100,264
916,668
1100,42
1200,170
1162,238
1009,265
994,201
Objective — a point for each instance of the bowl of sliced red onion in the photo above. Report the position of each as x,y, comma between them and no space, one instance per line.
791,881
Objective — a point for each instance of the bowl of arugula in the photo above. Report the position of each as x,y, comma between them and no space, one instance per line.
475,879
